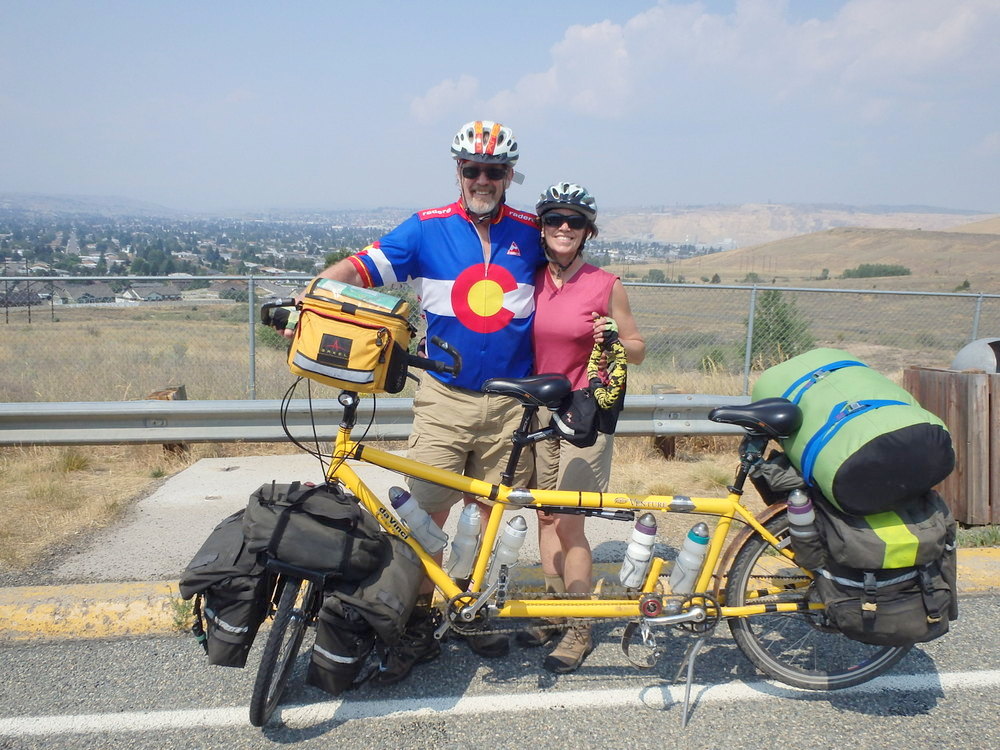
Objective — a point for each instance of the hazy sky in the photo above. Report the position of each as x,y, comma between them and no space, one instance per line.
324,104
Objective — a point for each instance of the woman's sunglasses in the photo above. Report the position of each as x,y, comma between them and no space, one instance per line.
492,173
555,221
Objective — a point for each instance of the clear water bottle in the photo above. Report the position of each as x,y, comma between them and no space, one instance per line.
809,550
684,576
801,516
421,525
508,547
463,548
639,552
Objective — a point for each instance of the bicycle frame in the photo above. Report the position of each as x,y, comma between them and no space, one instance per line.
506,498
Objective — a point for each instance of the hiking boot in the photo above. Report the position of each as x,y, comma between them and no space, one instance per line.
571,651
416,646
489,645
539,635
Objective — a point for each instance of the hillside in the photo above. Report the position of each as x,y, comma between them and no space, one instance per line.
938,261
754,224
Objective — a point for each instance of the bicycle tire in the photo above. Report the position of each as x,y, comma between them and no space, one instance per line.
801,648
281,648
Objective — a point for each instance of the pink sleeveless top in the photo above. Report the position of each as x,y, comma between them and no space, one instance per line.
563,331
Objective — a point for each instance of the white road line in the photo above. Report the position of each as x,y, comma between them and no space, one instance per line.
656,697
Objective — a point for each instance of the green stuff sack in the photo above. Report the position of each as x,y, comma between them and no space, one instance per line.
865,442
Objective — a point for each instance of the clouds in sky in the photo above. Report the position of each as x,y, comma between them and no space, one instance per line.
245,104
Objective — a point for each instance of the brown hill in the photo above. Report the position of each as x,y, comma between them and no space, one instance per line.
987,226
756,223
938,261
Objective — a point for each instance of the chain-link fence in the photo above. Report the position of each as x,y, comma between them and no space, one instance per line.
73,339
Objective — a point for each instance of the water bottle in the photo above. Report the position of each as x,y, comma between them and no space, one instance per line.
639,552
507,549
806,543
463,549
421,525
684,576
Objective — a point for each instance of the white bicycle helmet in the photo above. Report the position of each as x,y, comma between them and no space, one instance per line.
567,195
485,141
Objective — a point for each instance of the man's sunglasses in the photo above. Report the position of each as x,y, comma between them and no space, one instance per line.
492,173
557,220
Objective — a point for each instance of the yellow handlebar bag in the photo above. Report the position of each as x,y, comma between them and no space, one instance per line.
351,338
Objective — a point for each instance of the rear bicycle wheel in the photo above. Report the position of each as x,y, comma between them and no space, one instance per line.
281,648
800,648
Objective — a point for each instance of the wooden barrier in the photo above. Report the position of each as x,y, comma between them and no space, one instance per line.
969,404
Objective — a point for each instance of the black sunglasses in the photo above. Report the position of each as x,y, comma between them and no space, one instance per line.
492,173
557,220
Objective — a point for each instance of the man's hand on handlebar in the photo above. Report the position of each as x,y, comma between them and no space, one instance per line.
281,315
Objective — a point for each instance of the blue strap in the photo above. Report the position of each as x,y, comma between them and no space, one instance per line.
807,380
840,415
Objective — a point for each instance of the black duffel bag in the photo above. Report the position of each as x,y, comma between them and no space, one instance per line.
319,527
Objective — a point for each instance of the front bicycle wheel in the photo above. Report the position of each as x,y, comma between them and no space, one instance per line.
799,648
283,642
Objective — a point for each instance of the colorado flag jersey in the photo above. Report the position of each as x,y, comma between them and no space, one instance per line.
482,309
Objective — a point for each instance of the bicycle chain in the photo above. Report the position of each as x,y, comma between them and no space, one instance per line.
471,629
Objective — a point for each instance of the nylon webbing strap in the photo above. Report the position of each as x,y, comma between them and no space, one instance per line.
802,384
840,415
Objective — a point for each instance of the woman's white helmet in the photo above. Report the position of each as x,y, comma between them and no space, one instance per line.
485,141
567,195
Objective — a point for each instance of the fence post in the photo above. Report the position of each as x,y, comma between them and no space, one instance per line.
251,321
749,344
975,318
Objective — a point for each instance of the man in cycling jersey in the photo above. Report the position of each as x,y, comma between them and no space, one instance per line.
472,264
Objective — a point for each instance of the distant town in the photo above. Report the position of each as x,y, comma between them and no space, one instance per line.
51,244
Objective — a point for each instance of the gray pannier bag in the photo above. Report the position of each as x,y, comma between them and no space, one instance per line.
230,587
888,579
319,527
353,617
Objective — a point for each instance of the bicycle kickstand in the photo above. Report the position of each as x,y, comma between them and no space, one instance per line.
692,653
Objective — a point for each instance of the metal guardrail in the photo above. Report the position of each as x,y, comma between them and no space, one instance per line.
109,422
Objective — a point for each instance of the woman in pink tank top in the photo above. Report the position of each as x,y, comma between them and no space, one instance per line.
576,305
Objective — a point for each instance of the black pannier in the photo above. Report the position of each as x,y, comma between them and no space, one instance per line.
887,579
231,591
319,527
353,616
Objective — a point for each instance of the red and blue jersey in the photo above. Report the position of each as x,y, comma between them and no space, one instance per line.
482,309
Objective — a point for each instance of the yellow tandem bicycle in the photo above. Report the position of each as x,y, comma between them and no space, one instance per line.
748,577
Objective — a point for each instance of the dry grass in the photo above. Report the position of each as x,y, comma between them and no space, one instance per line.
53,494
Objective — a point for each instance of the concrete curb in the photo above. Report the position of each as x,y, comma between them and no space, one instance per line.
108,610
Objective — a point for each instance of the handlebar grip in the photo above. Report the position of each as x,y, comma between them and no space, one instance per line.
456,359
436,365
275,314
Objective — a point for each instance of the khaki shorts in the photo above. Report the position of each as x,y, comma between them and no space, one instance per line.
465,432
560,465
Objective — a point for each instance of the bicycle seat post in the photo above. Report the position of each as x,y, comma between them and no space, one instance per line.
520,438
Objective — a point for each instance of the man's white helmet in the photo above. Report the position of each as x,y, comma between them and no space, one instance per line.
485,141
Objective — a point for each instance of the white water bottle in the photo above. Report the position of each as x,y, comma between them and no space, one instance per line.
639,552
421,525
508,547
684,576
801,516
463,548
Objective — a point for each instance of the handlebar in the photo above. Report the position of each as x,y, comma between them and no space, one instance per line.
436,365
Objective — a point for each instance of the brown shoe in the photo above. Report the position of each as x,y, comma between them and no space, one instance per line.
571,651
539,635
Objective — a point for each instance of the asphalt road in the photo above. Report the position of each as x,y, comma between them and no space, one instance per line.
158,693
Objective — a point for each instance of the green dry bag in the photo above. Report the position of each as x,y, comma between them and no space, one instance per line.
864,442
